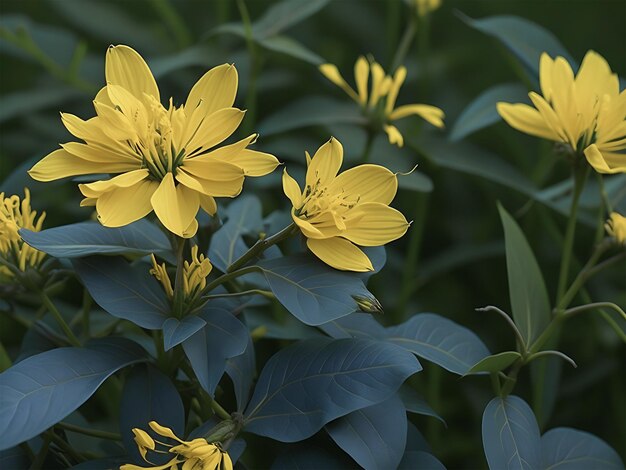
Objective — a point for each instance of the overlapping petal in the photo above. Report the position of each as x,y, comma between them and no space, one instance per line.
340,254
325,163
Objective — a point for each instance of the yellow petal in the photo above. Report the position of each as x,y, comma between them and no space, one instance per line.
526,119
432,114
361,76
545,75
331,72
227,463
255,163
126,68
115,125
307,229
394,89
175,206
61,164
94,153
216,89
550,118
123,205
124,180
395,138
605,162
207,167
213,129
374,224
563,99
208,204
378,80
133,108
215,188
370,183
340,254
292,189
325,163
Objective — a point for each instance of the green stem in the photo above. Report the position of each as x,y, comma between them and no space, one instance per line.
518,336
174,21
251,96
219,410
179,289
405,43
262,245
41,455
228,277
111,436
264,293
579,181
593,306
508,387
64,446
85,313
59,319
495,383
605,197
367,150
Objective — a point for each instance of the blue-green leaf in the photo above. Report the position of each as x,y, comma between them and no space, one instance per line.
570,449
414,403
414,459
312,291
125,291
92,238
511,435
439,340
496,362
355,325
285,14
242,371
43,389
291,47
375,436
310,383
527,290
481,112
149,395
309,457
176,331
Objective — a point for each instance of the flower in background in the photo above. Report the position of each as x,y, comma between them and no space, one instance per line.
380,103
195,454
167,158
586,112
338,212
424,7
194,275
616,227
14,215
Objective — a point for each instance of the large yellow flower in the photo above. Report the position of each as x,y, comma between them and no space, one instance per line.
167,157
380,103
196,454
616,227
14,215
338,212
587,112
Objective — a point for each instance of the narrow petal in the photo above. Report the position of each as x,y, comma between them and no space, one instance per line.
115,125
368,183
175,206
340,254
208,204
292,189
211,187
227,463
124,180
124,205
526,119
545,75
216,89
95,154
126,68
605,162
61,164
325,163
255,163
214,129
331,72
378,80
374,224
432,114
550,118
211,168
395,138
394,89
361,76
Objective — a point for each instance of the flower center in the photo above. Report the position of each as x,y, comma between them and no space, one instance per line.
320,205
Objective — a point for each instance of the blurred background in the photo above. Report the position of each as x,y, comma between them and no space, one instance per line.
52,60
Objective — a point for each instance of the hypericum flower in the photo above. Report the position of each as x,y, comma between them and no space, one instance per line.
194,275
338,212
616,227
424,7
167,157
380,103
586,112
197,454
14,215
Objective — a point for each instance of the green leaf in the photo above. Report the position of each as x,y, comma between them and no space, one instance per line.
22,103
527,290
481,112
284,15
414,403
291,47
495,362
571,449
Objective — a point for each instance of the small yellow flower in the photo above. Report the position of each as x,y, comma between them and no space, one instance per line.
586,112
338,212
196,454
616,227
195,273
380,103
14,215
424,7
167,158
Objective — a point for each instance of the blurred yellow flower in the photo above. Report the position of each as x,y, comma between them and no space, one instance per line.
380,102
14,215
338,212
587,112
424,7
168,157
195,454
194,275
616,227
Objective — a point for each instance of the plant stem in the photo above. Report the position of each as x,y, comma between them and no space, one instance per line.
227,277
262,245
255,66
59,319
41,455
179,290
85,313
593,306
405,43
112,436
219,410
518,336
264,293
174,21
64,446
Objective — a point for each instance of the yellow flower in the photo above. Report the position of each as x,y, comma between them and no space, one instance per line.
424,7
338,212
587,112
15,215
380,103
196,454
616,227
167,158
194,275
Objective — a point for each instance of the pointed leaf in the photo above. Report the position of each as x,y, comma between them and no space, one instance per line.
496,362
176,331
414,403
571,449
242,371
